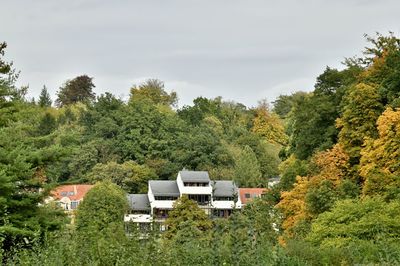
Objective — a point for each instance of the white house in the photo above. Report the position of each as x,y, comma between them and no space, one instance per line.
217,198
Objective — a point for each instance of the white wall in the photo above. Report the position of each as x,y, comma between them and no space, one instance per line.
138,218
192,190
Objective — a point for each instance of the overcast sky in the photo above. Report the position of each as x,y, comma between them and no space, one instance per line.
241,50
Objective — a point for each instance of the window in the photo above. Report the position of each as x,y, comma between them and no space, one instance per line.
71,193
195,184
247,195
200,199
165,197
224,198
74,205
64,193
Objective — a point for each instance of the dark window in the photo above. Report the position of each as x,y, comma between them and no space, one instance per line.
195,184
165,197
200,199
74,205
247,195
224,198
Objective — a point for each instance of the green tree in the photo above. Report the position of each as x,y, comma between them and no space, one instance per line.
47,124
186,214
79,89
357,220
104,206
44,98
247,170
130,176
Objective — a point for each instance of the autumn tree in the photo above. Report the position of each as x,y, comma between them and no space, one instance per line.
153,90
380,158
360,112
268,125
79,89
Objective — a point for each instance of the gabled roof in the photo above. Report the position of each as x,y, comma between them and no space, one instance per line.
139,202
73,192
164,187
194,176
224,188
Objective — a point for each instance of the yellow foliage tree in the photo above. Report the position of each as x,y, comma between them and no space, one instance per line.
330,166
380,161
269,125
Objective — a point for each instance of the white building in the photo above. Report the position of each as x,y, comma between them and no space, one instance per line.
217,198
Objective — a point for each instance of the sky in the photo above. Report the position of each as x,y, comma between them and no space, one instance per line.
242,50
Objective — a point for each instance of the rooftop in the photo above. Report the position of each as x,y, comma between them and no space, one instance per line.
73,192
194,176
164,187
224,188
139,202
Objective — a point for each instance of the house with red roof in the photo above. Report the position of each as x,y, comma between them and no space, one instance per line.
69,196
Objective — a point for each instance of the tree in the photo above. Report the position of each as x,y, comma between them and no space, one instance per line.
104,206
380,157
47,124
186,214
79,89
360,112
130,176
153,90
284,104
268,125
357,221
44,98
247,169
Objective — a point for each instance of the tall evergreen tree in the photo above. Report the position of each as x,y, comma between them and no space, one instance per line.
44,98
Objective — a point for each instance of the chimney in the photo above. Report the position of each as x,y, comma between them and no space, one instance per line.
75,190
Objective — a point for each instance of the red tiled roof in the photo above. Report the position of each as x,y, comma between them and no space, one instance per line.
254,192
74,192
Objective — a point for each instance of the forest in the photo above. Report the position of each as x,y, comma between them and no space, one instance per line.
336,150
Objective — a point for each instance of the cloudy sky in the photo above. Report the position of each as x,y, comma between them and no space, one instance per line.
243,50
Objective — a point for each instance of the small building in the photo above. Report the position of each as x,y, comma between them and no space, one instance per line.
68,197
248,194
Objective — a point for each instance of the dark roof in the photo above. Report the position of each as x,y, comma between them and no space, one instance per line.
194,176
139,201
224,188
164,187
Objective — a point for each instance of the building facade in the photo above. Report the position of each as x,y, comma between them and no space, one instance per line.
216,198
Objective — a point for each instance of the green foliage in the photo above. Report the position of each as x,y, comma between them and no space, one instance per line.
44,98
104,206
247,169
130,176
79,89
186,218
353,221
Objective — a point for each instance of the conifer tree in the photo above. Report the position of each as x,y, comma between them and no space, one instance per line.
44,98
